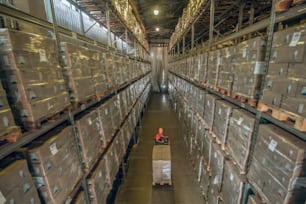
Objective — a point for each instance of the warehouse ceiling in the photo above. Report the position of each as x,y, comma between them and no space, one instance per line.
169,13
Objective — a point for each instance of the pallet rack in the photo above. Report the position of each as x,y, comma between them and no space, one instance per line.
28,137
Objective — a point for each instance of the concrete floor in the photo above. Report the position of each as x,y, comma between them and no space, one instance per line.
137,186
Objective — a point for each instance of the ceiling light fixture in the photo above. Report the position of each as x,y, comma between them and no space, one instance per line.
156,12
157,29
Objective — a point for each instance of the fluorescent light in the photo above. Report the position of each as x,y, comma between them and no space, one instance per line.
157,29
156,12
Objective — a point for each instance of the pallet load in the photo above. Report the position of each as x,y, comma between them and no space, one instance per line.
225,72
16,185
216,167
55,166
223,111
32,77
214,62
199,137
161,164
239,140
99,184
248,69
278,170
200,102
112,162
98,73
232,184
209,110
91,137
204,179
285,87
116,112
8,129
106,120
75,61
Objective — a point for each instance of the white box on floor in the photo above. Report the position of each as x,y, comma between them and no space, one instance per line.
161,164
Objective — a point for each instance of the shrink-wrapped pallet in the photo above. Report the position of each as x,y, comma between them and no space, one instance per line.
16,185
232,184
99,184
209,109
112,162
91,137
55,166
161,164
239,140
223,111
278,166
106,120
32,77
216,167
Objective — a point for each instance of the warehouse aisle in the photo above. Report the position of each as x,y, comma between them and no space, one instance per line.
137,188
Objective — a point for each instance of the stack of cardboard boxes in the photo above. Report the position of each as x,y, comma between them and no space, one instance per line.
278,170
32,76
285,85
8,129
16,185
55,166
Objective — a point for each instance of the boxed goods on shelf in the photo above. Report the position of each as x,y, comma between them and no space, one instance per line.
75,60
209,109
55,166
116,111
239,139
286,80
112,162
8,129
248,67
216,167
213,194
278,166
199,137
207,144
232,184
16,185
119,145
225,72
200,102
214,62
204,179
91,137
223,111
99,184
106,119
32,77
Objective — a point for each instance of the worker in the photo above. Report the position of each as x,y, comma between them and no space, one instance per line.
159,137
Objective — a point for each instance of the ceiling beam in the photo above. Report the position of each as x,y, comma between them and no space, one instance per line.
135,11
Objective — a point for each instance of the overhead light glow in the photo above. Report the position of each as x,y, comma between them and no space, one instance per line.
156,12
157,29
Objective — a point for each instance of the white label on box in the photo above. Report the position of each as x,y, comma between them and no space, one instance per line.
231,177
272,145
244,52
300,108
259,67
6,60
42,55
5,121
295,39
240,120
2,198
53,148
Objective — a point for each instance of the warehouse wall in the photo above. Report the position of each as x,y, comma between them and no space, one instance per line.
159,59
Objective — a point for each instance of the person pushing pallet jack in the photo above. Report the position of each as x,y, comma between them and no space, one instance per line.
160,138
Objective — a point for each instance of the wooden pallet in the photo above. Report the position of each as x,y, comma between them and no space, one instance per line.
33,125
223,91
292,119
243,99
81,105
11,134
162,183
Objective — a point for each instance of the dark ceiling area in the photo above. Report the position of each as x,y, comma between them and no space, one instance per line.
169,13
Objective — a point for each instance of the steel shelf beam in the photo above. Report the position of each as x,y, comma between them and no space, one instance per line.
263,24
9,148
253,110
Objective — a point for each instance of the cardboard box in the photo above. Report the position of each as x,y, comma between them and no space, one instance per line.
223,111
278,166
91,136
297,70
204,180
209,109
232,184
32,7
161,164
278,69
240,137
271,98
112,162
99,184
216,166
294,105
